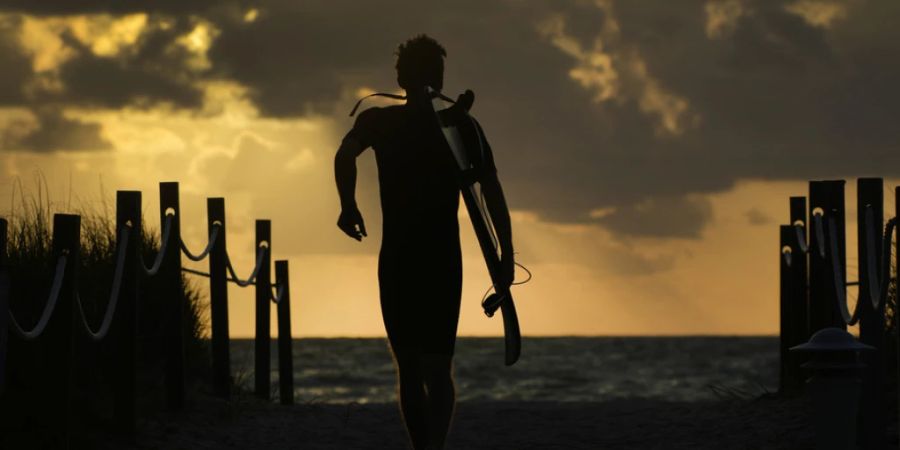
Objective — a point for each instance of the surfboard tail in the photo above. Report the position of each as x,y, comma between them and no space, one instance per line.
511,332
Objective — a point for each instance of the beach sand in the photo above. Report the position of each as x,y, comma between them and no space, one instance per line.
248,423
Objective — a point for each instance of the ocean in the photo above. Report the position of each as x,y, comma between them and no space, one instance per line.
564,369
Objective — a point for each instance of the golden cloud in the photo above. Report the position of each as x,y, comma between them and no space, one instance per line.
620,74
722,17
821,14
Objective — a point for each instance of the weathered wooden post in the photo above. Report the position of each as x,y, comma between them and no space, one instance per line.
4,304
218,299
897,286
262,383
122,336
170,277
786,257
800,271
826,198
870,201
285,355
817,265
795,310
58,342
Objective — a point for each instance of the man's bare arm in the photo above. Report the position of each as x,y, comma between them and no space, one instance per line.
350,220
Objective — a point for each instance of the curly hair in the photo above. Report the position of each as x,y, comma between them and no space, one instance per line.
420,62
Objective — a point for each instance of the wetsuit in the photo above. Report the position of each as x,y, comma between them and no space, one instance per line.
420,265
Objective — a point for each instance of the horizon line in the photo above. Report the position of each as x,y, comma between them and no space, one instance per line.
538,336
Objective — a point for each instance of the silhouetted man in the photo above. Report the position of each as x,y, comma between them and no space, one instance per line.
420,266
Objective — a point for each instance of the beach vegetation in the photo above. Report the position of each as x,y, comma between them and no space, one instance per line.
31,271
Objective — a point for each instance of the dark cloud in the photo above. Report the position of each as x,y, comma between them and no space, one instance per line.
16,66
777,99
681,217
756,217
56,132
67,7
774,98
146,77
299,55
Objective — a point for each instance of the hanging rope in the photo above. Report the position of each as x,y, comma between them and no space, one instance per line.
209,245
820,234
838,277
48,307
279,293
878,283
113,295
260,255
167,228
207,275
515,283
786,254
801,239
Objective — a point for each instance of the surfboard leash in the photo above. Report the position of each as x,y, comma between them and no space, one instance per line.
397,97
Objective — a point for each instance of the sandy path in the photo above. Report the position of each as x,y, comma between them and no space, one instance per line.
625,424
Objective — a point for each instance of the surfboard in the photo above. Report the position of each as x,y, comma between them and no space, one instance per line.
449,117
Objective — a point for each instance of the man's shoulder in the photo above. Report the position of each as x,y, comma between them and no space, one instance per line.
381,118
377,112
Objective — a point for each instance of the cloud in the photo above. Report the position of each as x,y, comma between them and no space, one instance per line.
756,217
16,68
722,17
588,105
682,217
620,74
55,132
74,7
817,12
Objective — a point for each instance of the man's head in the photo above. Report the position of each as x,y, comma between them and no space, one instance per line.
420,63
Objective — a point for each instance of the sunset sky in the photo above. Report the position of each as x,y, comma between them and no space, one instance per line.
647,148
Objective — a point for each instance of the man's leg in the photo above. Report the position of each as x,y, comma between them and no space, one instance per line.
413,401
441,396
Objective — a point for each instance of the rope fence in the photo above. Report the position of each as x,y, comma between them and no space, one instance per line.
813,285
877,286
98,335
118,324
209,246
164,245
261,253
49,307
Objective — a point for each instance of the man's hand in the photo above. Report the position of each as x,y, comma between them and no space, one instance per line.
351,223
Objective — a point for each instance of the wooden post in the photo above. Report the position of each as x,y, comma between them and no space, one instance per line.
817,266
836,202
828,196
4,305
170,277
800,267
799,309
786,259
58,335
870,195
218,300
262,382
122,336
285,355
897,286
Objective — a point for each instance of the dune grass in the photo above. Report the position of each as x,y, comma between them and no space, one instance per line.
29,250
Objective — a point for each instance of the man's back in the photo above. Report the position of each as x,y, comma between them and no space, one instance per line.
417,175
